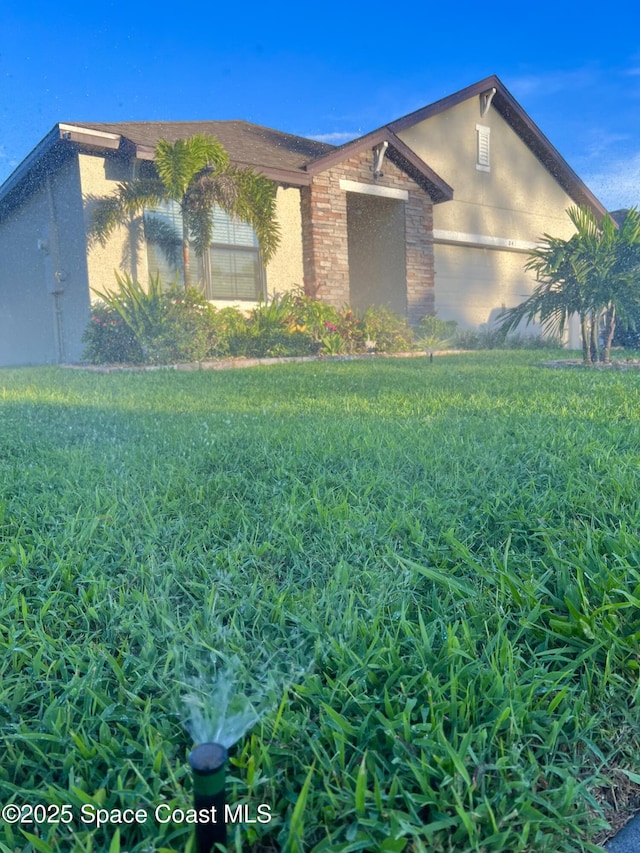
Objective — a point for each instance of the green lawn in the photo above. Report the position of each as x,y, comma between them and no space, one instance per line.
426,575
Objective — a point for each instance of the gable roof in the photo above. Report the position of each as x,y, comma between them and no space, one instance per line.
280,156
398,152
528,131
283,157
286,158
276,154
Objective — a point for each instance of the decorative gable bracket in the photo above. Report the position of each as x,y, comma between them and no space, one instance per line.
485,100
378,158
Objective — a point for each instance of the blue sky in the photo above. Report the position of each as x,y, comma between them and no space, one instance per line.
331,71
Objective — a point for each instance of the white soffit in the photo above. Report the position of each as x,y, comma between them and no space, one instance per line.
75,133
482,240
373,189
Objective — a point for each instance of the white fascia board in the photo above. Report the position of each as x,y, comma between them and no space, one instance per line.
482,241
78,133
373,189
145,152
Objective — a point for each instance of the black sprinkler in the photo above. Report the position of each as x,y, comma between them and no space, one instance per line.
208,763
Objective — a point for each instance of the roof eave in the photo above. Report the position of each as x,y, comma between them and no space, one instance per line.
280,176
61,140
24,169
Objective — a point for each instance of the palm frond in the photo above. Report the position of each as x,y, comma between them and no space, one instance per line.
594,274
209,190
129,200
196,173
546,306
166,236
256,205
241,193
179,163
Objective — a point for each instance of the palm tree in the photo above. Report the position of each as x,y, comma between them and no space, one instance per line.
594,274
197,175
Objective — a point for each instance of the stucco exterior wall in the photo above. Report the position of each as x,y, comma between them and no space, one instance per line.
512,205
125,251
285,272
43,275
27,331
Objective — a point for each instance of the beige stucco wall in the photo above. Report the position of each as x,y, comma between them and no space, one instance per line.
284,272
125,251
517,200
43,274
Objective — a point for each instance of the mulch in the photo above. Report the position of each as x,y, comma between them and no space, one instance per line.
620,802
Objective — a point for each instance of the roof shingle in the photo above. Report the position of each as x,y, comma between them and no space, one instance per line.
249,144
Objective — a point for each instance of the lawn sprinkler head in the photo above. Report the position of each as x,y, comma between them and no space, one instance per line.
208,763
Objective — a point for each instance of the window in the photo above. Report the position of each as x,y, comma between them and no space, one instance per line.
483,163
230,270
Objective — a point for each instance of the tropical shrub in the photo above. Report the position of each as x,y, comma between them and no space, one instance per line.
434,333
187,332
277,343
387,332
490,337
343,330
336,330
595,274
273,330
109,339
164,325
309,314
229,332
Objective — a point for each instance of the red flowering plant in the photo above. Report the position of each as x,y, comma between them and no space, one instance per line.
388,331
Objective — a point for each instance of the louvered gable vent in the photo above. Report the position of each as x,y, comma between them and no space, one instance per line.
484,148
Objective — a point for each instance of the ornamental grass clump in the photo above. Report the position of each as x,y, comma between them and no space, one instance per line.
433,333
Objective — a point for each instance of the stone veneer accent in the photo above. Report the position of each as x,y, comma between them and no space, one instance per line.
325,242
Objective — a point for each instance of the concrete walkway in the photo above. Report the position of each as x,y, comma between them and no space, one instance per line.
627,840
